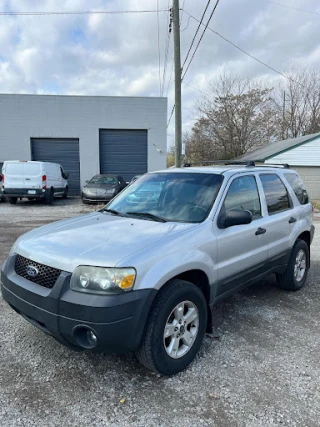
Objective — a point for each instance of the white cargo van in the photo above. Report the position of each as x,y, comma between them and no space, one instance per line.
33,180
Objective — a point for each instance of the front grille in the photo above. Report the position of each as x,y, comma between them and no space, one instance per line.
47,276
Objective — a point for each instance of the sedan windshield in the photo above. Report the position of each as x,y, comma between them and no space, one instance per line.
100,179
173,196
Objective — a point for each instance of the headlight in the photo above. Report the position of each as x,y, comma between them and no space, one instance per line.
111,191
102,281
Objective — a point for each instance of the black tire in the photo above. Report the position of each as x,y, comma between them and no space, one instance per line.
65,193
288,280
50,197
152,352
13,200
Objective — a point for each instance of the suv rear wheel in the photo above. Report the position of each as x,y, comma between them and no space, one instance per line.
175,328
296,273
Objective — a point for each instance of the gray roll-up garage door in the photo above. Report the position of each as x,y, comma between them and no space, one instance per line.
62,151
123,152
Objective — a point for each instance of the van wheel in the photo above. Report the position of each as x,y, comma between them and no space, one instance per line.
65,193
175,328
50,197
296,273
13,200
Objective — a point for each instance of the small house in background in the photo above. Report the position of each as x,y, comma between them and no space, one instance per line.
301,154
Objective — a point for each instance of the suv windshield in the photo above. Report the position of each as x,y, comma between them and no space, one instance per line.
178,197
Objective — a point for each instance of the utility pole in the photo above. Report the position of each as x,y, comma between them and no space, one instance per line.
177,83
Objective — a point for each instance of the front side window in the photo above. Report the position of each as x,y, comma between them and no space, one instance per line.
298,187
178,197
277,197
243,194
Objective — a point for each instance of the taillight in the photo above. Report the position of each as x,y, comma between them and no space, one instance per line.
44,182
2,180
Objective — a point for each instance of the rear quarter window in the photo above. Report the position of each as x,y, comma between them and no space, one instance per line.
276,194
298,187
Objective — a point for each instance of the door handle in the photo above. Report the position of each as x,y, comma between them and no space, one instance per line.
260,231
292,220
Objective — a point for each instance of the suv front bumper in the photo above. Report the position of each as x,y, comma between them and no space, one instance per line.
116,321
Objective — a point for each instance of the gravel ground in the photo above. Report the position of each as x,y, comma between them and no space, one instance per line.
260,367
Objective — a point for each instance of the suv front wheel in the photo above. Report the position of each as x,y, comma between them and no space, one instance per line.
175,328
296,273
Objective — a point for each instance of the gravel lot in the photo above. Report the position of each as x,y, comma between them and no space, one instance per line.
259,368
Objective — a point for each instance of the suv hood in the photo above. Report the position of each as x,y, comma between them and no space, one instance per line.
97,239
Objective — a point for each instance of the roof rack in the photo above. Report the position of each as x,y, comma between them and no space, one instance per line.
248,163
271,165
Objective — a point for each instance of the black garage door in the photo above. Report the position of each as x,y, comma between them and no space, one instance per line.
123,152
62,151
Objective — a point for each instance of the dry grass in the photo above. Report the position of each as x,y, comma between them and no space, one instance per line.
316,204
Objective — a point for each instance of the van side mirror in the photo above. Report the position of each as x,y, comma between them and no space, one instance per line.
67,175
235,217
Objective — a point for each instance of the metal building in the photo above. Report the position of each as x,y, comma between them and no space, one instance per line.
302,154
87,135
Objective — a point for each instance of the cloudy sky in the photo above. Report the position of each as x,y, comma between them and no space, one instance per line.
117,54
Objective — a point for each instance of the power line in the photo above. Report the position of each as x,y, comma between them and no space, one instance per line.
251,56
171,73
181,16
194,88
206,26
171,114
197,30
87,12
169,24
291,7
159,56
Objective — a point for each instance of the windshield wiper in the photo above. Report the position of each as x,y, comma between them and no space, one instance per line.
114,212
148,216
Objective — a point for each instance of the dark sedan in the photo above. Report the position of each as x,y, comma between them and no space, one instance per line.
102,188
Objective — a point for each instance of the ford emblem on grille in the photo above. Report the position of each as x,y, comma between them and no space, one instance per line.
32,271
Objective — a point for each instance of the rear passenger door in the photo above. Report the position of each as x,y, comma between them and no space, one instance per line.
280,220
242,249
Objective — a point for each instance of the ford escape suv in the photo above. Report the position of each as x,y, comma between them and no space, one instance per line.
144,276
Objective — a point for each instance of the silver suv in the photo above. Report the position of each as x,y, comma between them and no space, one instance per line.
143,273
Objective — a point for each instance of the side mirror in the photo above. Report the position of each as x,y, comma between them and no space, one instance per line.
236,217
87,181
67,175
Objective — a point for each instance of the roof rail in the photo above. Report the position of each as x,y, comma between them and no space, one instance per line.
248,163
271,165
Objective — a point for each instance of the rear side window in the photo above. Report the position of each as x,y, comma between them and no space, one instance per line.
14,169
298,187
243,194
277,197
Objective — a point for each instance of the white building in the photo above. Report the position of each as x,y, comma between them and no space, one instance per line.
87,135
301,154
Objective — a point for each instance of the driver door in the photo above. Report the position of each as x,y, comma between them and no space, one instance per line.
242,250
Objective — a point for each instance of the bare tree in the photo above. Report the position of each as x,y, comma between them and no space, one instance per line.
237,116
298,102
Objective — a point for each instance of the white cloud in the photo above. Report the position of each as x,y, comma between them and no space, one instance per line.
118,54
